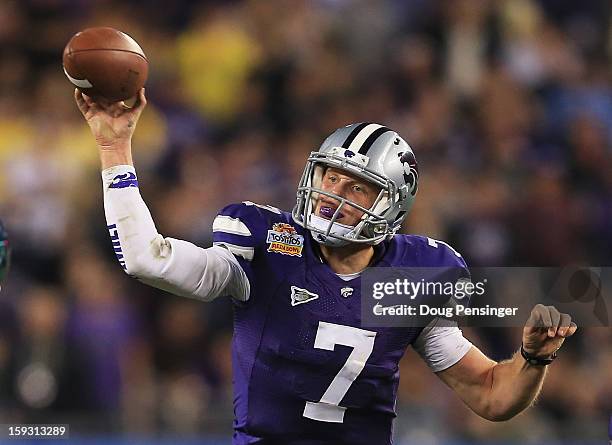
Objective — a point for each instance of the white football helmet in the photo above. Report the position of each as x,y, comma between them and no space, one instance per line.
374,153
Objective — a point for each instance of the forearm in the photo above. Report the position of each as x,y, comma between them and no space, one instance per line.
120,154
512,386
173,265
499,391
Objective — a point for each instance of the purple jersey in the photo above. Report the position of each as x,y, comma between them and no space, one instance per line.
305,371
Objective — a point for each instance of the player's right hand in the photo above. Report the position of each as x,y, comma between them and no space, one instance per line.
112,123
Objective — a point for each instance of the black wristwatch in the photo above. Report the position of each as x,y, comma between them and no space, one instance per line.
537,361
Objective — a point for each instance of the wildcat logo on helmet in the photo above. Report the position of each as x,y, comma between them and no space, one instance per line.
284,239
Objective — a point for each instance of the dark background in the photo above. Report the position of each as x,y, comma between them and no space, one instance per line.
507,105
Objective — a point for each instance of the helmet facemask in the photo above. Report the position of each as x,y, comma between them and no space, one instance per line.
377,222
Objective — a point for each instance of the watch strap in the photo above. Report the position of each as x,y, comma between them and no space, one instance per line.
537,361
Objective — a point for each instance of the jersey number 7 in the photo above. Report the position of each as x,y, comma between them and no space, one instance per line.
329,335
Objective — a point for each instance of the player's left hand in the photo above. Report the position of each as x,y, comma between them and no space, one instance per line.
546,330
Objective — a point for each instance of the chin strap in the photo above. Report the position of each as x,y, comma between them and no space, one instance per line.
337,229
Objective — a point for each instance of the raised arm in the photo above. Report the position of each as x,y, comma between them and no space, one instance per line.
176,266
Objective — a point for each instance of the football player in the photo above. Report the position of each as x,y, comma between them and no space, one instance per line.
305,370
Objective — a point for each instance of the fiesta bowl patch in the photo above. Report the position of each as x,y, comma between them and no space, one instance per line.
284,239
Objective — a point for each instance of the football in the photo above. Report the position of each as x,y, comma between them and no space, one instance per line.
104,62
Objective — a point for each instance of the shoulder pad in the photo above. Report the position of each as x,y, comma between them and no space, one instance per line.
243,227
432,252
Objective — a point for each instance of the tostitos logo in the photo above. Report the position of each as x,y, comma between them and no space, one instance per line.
284,228
284,239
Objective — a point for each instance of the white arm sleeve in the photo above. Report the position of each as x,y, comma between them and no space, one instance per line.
173,265
441,344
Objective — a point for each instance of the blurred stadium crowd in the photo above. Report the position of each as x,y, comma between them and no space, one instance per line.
507,104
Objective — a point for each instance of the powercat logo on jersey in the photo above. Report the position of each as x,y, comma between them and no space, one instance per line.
284,239
346,292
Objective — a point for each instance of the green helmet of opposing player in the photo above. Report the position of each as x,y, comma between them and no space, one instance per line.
5,253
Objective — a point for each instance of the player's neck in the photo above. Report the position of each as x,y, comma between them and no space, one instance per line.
348,259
